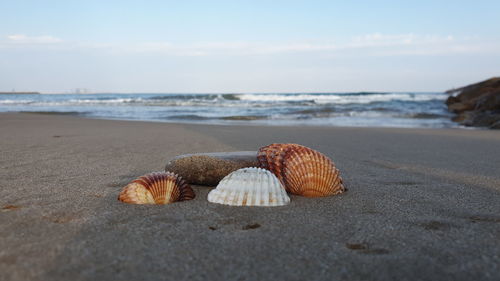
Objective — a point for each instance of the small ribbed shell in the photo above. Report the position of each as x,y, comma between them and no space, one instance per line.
271,157
309,173
156,188
249,187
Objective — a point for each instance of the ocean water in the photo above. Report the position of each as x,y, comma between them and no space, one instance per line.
420,110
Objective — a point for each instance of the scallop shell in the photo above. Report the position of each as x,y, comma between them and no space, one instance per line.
249,187
156,188
271,158
309,173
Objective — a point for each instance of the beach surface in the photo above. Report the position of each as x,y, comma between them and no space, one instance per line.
423,204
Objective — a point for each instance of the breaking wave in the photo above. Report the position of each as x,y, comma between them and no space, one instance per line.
335,109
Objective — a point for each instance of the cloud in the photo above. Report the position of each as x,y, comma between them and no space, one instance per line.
378,44
374,44
389,40
32,40
223,48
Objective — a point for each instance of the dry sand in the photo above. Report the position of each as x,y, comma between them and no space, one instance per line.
422,205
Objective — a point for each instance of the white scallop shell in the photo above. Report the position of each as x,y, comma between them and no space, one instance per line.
249,187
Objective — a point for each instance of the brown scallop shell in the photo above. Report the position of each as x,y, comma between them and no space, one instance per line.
156,188
271,157
309,173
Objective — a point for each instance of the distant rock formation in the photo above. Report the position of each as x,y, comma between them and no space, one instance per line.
476,105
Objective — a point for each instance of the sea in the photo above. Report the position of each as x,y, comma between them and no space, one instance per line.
365,109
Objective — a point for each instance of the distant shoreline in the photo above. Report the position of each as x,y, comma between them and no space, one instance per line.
19,93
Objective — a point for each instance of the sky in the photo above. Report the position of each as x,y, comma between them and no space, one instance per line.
247,46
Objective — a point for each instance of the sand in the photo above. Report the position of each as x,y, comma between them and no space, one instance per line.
422,205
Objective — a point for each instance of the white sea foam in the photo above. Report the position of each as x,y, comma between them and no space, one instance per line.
238,100
104,101
343,98
9,102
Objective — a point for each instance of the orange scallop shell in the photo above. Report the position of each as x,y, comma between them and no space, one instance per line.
156,188
309,173
271,158
302,170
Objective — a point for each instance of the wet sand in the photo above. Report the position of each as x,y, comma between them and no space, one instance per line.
422,205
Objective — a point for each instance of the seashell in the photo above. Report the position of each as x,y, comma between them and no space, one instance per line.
271,158
156,188
309,173
249,187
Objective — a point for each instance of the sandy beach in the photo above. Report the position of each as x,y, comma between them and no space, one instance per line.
423,204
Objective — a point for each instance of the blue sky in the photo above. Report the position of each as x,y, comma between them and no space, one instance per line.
247,46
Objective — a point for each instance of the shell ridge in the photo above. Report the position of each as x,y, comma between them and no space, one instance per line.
185,192
236,194
160,193
153,189
322,185
283,194
264,190
181,193
170,194
258,195
271,191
